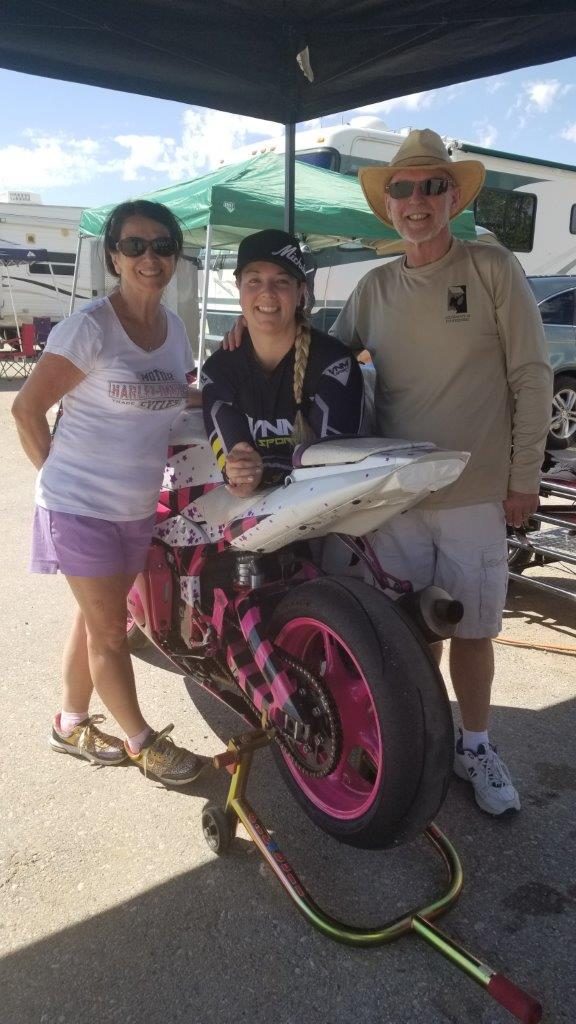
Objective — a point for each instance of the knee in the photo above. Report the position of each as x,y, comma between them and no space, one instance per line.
108,639
471,644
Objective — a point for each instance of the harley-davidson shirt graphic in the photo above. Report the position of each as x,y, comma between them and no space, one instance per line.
155,390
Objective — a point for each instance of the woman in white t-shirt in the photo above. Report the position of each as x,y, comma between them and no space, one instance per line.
119,366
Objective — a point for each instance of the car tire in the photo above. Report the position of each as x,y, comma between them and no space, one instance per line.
563,428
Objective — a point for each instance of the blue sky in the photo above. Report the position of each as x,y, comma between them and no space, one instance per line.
78,145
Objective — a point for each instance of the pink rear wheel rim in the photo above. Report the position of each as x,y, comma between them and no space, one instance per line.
351,788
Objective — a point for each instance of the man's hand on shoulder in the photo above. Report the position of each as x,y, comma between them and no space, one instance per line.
518,507
233,338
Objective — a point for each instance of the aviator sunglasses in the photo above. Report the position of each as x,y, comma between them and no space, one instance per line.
428,187
135,246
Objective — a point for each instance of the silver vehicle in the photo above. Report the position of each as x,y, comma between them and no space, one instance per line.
556,298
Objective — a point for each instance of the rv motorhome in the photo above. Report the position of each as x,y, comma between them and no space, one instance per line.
43,289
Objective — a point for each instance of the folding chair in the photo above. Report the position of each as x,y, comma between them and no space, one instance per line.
42,328
20,360
13,363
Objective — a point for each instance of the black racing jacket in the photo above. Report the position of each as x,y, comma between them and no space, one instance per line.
244,402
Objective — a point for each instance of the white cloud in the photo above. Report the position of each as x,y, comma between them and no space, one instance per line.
569,133
415,101
486,134
494,86
537,97
541,95
49,162
145,153
207,139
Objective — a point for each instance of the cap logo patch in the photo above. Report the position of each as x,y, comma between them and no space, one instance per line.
290,252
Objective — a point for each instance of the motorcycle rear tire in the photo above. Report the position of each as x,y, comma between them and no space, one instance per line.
137,640
408,711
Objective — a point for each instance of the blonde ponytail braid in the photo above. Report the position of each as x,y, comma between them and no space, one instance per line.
302,431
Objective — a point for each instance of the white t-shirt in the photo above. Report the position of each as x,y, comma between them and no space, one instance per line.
109,449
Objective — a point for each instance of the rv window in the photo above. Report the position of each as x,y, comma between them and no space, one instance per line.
328,159
573,220
351,164
61,269
559,309
62,263
510,216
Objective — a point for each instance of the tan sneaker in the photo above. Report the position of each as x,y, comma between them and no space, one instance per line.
87,741
161,759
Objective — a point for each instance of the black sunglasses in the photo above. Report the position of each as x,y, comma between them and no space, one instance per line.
429,187
134,246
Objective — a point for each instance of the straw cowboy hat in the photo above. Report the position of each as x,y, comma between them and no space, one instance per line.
422,149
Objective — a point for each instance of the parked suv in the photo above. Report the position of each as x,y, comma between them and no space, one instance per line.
556,298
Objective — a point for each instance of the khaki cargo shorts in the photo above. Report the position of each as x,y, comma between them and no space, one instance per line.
463,550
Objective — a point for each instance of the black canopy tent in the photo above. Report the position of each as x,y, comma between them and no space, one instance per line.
286,60
15,256
12,255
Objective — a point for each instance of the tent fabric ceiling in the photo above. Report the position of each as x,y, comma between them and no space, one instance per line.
241,55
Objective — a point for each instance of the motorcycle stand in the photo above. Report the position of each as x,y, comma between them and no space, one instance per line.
219,826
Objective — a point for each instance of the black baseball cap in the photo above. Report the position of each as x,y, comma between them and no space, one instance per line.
272,246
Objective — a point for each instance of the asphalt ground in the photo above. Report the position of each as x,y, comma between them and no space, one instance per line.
115,911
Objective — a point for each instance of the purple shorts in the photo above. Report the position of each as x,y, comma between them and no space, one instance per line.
86,546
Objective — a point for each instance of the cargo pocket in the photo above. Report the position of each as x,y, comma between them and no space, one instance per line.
493,584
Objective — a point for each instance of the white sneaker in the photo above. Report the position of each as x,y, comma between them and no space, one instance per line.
489,776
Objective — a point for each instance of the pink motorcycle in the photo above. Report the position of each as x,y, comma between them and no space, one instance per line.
260,601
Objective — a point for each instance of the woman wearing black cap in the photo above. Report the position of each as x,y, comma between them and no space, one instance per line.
286,383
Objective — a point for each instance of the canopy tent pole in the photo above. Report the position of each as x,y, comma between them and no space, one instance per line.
204,310
13,304
289,176
57,290
75,278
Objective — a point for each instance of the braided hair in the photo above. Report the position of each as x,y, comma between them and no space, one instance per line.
302,433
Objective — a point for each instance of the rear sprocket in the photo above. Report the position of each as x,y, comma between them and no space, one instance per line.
321,754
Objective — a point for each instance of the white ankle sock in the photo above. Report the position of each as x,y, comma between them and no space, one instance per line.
137,742
472,740
70,719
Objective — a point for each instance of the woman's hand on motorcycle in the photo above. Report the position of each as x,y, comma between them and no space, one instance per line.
233,338
244,469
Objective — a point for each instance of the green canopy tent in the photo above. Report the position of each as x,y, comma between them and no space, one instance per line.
219,209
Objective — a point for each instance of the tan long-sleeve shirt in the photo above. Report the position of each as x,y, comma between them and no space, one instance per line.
461,360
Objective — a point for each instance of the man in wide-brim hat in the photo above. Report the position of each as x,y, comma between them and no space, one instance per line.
461,360
423,150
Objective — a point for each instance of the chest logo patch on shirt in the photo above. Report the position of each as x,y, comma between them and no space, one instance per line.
457,304
267,433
